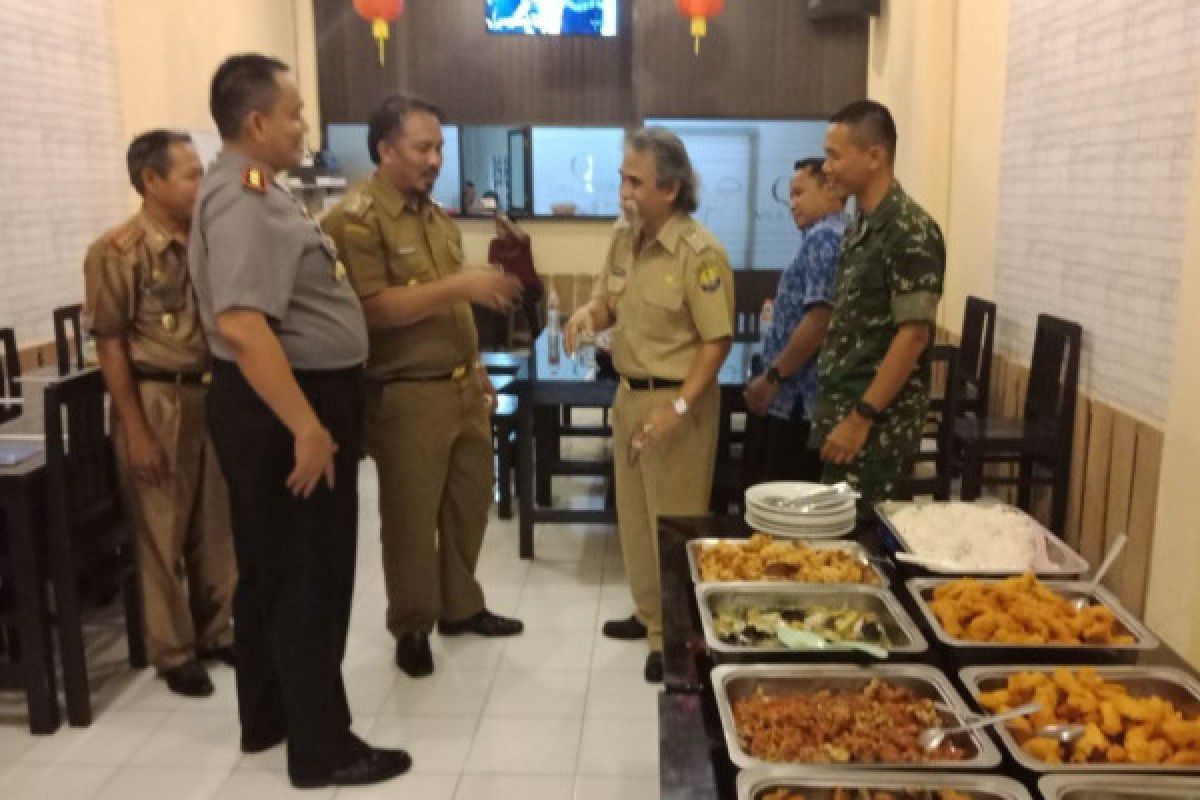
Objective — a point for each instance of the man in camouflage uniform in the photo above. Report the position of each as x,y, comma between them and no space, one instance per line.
874,371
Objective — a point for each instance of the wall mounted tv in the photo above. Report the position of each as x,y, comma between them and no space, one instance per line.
552,17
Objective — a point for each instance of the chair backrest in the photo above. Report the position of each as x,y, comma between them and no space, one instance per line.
82,488
975,354
10,371
71,316
751,287
1054,377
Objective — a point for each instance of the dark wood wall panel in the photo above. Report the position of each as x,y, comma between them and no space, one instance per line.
761,58
440,49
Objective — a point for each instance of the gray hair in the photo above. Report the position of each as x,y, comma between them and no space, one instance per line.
671,162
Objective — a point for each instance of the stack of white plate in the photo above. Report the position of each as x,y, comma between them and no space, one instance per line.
779,508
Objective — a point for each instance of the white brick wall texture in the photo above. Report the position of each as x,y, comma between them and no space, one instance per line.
1097,154
61,154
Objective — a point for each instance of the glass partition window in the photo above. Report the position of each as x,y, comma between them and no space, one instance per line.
577,170
745,167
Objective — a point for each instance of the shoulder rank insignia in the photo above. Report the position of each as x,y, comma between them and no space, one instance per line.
254,180
697,241
709,278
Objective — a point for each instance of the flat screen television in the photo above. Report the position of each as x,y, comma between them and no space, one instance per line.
552,17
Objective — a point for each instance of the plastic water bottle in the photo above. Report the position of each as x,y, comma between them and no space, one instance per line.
765,317
553,328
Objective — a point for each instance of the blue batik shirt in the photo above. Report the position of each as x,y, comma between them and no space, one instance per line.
807,282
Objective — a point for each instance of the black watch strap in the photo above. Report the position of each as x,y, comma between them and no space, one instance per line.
773,376
866,410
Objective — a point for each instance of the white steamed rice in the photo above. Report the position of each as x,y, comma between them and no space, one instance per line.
976,537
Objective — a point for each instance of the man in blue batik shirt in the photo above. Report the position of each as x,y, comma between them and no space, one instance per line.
787,390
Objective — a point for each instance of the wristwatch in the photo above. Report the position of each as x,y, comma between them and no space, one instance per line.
680,405
774,378
866,410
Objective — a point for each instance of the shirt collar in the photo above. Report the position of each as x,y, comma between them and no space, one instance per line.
835,221
393,202
671,232
157,237
887,209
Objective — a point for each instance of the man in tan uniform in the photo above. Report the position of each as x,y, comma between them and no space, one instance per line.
155,360
668,290
428,400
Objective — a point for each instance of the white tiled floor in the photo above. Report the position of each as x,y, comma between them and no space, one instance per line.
559,712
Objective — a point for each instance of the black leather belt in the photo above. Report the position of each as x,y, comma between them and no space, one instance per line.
177,378
642,384
455,374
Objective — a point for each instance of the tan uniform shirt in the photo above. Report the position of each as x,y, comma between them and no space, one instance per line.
137,286
387,241
674,294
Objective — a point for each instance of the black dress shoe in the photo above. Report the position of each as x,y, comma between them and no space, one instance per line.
413,655
483,623
654,667
374,765
222,654
189,680
628,629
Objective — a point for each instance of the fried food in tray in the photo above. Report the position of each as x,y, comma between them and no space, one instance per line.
871,794
878,724
1021,611
763,558
757,626
1119,726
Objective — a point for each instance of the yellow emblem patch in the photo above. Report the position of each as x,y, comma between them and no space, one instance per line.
709,278
254,180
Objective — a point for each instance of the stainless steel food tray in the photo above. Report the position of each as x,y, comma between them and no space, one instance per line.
1067,563
922,590
1118,787
901,631
820,784
1171,684
732,682
855,550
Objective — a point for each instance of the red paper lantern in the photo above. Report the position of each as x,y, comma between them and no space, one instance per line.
380,13
699,11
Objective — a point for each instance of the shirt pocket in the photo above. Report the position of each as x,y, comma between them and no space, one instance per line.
407,264
665,292
163,290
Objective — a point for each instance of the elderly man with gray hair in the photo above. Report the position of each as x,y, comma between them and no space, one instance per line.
667,291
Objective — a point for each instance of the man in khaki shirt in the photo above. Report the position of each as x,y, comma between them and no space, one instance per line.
155,360
427,426
667,291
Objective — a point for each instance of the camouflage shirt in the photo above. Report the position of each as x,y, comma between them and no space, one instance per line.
892,265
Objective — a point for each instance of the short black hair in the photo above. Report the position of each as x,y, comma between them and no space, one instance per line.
388,118
872,124
151,150
813,166
242,84
469,183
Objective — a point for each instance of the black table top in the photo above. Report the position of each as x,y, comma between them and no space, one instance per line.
699,766
28,426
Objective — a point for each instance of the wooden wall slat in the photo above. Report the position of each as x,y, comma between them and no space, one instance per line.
1095,490
1079,451
1120,482
1131,574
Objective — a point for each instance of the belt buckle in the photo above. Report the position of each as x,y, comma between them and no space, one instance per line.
459,372
205,379
625,384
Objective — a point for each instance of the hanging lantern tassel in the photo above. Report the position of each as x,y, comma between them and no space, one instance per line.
382,32
699,31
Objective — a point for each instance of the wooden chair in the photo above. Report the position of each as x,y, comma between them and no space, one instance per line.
967,370
751,288
10,372
86,533
64,317
1040,443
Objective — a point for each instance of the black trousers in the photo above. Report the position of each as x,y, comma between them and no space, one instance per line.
296,562
788,456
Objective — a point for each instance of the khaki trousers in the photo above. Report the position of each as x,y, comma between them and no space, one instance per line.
673,477
181,529
432,446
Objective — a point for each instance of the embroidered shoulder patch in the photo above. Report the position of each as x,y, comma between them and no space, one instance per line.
709,278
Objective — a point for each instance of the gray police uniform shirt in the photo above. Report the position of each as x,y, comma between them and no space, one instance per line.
254,247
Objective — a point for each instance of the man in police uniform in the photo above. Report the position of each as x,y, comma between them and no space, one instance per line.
667,288
873,372
288,341
428,426
155,362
